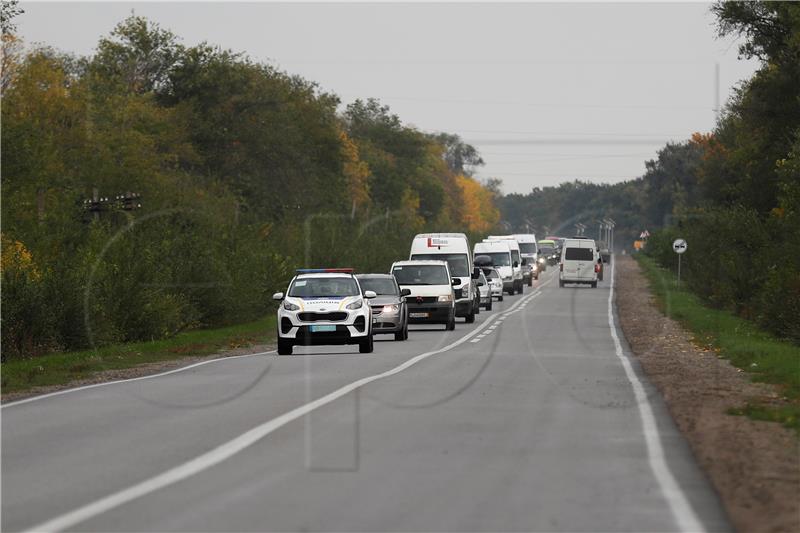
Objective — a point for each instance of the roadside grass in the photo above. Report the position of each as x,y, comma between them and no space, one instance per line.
62,368
764,357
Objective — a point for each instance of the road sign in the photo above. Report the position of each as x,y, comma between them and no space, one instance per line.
679,246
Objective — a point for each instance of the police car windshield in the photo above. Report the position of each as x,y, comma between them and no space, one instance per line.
500,259
421,275
323,287
458,263
380,286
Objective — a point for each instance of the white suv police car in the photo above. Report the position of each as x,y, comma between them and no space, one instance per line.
324,306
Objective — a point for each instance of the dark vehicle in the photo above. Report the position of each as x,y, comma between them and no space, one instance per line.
389,308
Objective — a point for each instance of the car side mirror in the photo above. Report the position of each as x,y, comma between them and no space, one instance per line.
277,296
480,284
524,262
405,292
455,281
516,264
370,294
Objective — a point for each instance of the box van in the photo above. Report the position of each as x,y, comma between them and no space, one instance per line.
578,262
500,254
529,249
516,258
431,297
453,248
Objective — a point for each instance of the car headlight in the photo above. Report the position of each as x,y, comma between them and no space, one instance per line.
446,298
389,309
355,305
289,306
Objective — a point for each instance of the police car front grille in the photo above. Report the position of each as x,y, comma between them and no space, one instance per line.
322,317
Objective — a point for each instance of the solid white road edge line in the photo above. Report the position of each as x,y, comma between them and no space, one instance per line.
149,376
235,445
681,509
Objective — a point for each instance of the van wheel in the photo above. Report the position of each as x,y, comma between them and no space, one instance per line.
594,284
451,323
284,347
470,318
489,305
560,283
521,288
366,346
500,298
530,281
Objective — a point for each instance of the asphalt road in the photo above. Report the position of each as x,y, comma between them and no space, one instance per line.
532,419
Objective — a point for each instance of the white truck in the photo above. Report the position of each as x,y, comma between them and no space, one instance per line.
454,249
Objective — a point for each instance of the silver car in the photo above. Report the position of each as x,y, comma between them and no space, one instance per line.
389,309
486,291
495,282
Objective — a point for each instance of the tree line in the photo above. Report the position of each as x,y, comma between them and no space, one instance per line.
235,173
733,193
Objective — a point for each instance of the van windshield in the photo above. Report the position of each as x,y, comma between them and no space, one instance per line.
579,254
458,263
421,275
527,247
323,287
499,258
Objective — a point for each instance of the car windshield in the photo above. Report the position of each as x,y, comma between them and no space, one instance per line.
491,273
458,263
527,247
579,254
380,286
421,275
546,249
323,287
499,258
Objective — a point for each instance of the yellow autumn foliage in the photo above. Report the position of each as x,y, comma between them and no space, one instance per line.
480,214
356,171
15,258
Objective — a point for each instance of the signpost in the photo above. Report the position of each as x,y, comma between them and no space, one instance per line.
679,246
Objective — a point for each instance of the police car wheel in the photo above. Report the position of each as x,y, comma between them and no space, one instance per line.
284,348
366,346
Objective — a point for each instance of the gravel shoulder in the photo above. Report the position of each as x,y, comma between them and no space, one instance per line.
753,465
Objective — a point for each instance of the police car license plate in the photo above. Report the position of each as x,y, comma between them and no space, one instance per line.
318,329
418,315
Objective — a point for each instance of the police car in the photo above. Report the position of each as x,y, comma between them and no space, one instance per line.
324,306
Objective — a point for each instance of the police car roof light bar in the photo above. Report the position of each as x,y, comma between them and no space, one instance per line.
324,270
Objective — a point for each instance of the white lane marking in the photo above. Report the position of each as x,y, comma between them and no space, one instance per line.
681,509
233,446
149,376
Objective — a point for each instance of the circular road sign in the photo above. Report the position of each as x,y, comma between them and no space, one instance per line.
679,246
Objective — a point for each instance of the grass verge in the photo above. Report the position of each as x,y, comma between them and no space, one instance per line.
62,368
747,347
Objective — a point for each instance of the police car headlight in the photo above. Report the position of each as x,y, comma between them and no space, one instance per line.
446,298
289,306
356,305
390,309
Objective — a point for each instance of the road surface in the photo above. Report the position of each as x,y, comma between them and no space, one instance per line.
535,418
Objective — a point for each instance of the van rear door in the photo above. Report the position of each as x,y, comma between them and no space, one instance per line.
579,263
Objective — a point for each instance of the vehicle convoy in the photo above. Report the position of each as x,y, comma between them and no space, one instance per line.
578,262
485,291
533,261
389,309
324,306
455,250
431,297
516,259
497,254
548,251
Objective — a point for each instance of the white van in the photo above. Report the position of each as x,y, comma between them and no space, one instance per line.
529,249
578,262
500,254
516,258
431,299
453,248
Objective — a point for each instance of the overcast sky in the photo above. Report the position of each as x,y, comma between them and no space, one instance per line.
546,92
